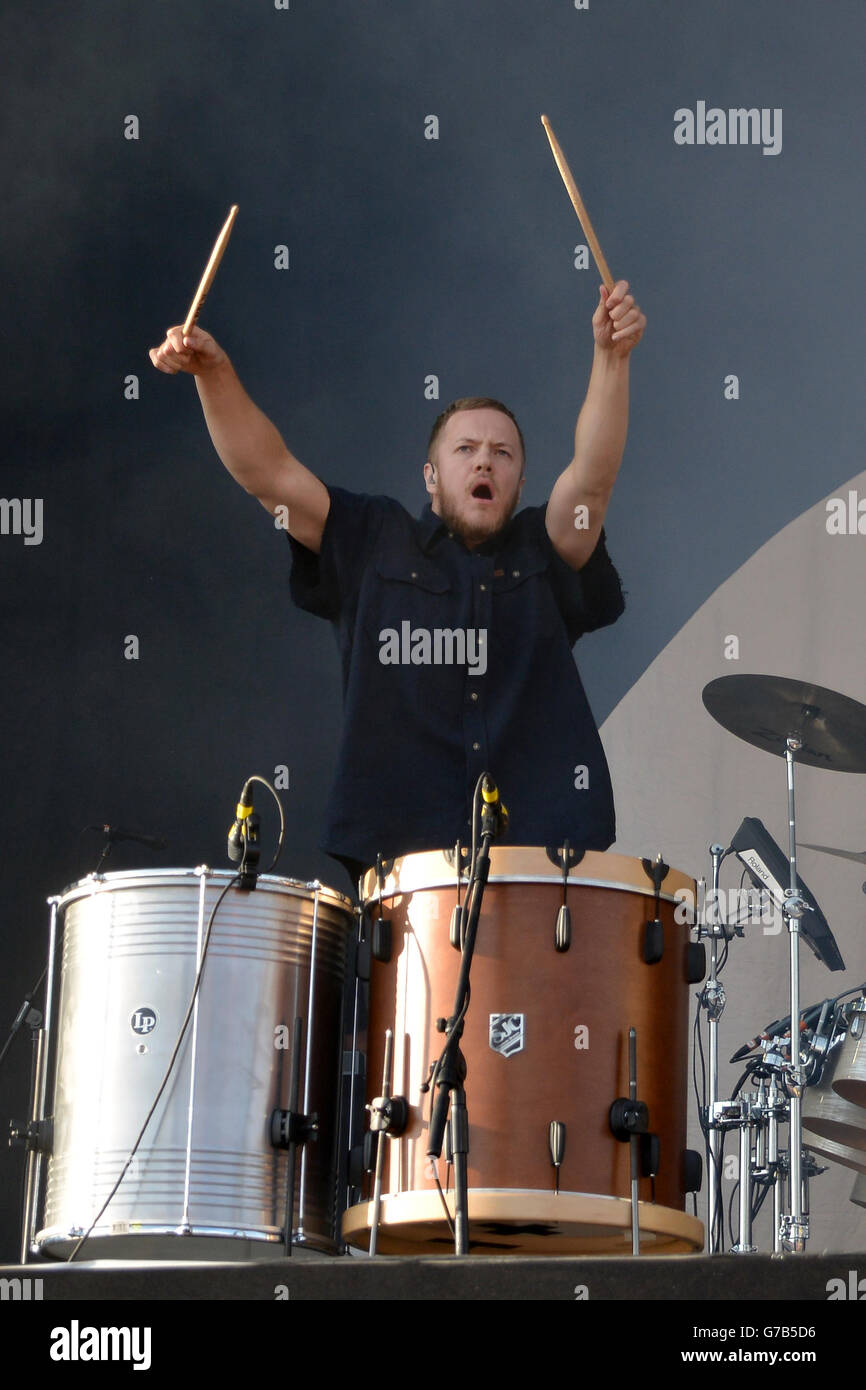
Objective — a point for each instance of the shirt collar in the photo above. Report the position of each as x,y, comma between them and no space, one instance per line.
430,526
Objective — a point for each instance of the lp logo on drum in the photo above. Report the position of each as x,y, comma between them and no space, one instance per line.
143,1021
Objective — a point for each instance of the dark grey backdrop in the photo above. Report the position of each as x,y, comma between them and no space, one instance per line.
408,257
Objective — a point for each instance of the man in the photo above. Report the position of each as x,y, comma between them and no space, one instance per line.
455,629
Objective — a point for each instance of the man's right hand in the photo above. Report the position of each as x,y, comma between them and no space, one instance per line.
251,448
197,353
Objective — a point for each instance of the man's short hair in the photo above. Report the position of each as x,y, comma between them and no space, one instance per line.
471,403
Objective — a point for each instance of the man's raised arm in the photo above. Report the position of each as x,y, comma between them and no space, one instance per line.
580,496
251,448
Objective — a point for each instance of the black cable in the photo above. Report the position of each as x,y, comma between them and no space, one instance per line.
443,1200
734,1190
282,835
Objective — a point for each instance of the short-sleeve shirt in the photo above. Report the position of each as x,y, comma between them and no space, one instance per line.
456,662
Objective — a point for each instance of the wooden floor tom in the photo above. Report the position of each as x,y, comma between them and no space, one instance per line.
545,1040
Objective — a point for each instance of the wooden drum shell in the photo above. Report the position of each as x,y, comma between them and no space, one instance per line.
577,1007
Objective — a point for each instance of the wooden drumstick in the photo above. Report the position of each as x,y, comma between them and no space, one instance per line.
210,269
577,201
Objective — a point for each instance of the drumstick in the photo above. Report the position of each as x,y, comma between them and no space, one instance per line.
210,269
577,201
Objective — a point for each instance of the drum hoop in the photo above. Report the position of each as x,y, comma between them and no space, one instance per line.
647,892
608,869
94,884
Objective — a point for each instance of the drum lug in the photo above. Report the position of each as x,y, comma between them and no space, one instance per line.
656,871
382,939
562,939
564,856
653,941
650,1154
368,1153
693,1170
654,933
556,1145
362,960
455,929
696,968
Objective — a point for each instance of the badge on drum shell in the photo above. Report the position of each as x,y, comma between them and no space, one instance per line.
143,1021
507,1033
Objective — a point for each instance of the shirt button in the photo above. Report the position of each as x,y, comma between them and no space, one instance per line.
483,588
476,747
474,695
515,574
414,574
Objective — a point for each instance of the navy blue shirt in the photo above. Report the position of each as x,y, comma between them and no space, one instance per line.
456,662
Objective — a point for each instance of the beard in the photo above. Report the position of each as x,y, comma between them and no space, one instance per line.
479,531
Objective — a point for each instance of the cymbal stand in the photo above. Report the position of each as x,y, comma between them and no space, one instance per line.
712,1001
777,1106
795,1222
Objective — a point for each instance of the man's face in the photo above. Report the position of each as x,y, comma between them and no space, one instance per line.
475,474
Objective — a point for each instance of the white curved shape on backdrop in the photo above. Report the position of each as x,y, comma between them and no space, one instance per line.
682,782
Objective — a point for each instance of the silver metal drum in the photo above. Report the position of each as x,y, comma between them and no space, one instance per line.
849,1080
840,1124
205,1182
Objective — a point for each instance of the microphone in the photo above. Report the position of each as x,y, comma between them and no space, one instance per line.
782,1028
239,830
494,811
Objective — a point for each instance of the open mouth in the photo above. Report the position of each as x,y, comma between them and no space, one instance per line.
482,493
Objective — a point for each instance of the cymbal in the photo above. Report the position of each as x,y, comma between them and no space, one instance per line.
767,710
859,856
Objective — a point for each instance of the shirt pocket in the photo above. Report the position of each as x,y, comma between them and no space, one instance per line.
525,607
520,570
404,589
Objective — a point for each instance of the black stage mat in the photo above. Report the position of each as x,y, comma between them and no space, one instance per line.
723,1278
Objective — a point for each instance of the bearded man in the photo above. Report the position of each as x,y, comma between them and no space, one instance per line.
455,628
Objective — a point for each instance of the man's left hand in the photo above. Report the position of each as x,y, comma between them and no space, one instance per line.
618,322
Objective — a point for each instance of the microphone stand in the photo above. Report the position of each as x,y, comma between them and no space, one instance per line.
451,1068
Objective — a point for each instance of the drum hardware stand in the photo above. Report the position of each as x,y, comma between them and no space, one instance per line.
388,1115
795,1223
36,1137
33,1135
354,1062
712,1000
654,933
26,1014
289,1128
771,1107
38,1134
746,1115
451,1069
809,1168
629,1120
